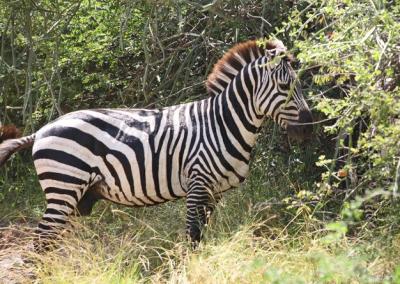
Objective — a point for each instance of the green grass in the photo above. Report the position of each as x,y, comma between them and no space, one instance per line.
260,233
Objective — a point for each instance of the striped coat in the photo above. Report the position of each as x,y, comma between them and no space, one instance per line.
140,157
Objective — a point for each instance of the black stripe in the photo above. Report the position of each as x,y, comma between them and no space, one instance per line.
44,227
226,116
97,148
212,129
207,164
248,101
71,193
60,202
222,83
194,132
270,85
214,121
156,155
213,162
235,63
55,211
277,106
54,220
240,111
63,158
272,99
61,177
127,119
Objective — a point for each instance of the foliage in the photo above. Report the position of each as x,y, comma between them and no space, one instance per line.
324,213
349,54
59,57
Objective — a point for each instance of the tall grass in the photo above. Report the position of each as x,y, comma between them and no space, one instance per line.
118,246
255,236
91,254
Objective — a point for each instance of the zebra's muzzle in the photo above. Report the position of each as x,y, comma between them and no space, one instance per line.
303,129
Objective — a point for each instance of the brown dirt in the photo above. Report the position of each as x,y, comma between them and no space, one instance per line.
16,250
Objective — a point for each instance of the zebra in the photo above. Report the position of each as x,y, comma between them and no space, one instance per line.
142,157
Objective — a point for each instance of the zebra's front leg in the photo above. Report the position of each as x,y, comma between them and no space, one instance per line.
200,206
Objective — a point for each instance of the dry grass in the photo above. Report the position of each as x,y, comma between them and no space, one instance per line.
90,255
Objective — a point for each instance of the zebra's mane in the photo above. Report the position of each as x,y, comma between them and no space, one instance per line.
236,58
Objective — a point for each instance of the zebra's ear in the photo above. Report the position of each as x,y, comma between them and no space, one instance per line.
276,52
274,57
279,50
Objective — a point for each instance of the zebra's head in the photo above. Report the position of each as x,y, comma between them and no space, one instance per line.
280,95
260,72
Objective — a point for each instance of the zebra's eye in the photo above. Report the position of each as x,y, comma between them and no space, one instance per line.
284,86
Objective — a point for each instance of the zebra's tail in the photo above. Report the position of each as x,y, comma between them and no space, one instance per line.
10,143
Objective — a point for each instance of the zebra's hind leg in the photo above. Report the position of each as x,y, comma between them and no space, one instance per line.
61,203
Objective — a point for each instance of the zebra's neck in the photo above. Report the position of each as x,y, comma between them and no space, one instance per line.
238,118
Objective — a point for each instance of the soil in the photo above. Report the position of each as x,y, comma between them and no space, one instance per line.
16,251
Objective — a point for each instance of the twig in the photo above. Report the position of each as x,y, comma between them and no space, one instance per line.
40,8
65,12
53,97
396,181
28,78
123,22
261,18
14,60
57,70
156,38
147,61
383,51
315,122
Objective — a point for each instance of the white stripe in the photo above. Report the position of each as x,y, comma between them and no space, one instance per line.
229,69
59,207
64,197
75,149
47,165
240,58
224,78
46,183
247,136
56,216
218,86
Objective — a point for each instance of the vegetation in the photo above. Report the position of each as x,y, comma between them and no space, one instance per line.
327,212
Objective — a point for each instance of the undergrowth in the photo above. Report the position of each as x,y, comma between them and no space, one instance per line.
96,253
267,231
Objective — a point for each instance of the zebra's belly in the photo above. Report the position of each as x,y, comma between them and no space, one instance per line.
115,196
139,195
